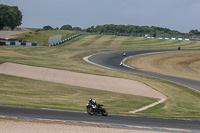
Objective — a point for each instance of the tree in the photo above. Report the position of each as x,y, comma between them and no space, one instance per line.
10,16
16,17
66,27
3,16
195,32
90,29
77,29
48,27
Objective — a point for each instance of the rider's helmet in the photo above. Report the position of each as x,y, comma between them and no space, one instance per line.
90,100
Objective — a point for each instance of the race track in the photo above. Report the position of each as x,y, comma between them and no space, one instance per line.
144,123
112,60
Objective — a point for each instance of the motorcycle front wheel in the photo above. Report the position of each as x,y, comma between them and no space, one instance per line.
104,112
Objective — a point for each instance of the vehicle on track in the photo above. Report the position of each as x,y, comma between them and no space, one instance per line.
125,54
91,109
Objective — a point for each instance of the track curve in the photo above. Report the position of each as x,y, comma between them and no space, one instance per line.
112,60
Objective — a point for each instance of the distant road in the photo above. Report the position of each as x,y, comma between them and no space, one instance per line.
10,34
195,39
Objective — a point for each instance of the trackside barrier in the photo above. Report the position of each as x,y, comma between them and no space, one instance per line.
21,43
174,38
169,38
54,44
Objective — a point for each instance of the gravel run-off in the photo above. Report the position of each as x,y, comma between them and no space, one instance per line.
79,79
29,127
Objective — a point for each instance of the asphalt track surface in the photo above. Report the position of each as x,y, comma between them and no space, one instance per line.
112,60
110,120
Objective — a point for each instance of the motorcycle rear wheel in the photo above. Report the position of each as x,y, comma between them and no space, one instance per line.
90,111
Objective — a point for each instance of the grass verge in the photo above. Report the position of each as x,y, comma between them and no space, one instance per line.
102,42
41,36
24,92
184,64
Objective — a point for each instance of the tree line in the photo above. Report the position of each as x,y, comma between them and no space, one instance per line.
134,29
10,16
64,27
129,29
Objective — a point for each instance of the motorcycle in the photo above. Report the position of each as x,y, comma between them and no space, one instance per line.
93,109
125,54
121,63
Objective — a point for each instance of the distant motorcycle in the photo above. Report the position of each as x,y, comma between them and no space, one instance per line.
93,109
125,54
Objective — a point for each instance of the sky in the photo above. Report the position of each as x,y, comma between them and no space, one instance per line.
181,15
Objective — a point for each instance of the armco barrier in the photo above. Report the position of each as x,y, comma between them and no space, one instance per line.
21,43
54,44
169,38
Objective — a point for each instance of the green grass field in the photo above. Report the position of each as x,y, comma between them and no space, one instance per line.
182,102
41,36
102,42
24,92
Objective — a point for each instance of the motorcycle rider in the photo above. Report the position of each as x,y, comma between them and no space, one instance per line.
124,54
93,104
121,63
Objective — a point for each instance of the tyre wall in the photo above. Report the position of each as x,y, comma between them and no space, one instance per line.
20,43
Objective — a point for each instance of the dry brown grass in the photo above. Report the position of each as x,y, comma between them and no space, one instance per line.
180,64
